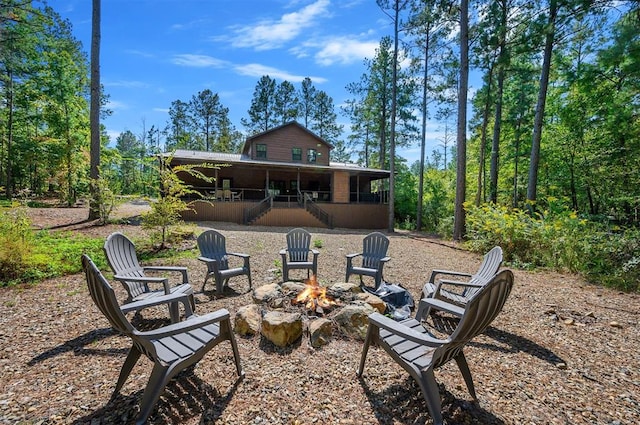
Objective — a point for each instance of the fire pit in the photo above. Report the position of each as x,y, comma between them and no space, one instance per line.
314,297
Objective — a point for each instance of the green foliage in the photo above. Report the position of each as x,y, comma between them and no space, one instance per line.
166,210
560,240
15,246
105,199
317,243
29,257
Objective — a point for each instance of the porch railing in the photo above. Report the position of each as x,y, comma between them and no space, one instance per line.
251,214
317,212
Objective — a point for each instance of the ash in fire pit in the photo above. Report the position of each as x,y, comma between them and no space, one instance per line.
315,297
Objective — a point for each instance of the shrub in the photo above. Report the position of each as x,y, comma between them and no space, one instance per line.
560,240
15,244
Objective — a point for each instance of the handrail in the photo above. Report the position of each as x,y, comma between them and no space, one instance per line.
318,212
250,214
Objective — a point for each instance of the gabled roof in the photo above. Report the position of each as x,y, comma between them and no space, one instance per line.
247,143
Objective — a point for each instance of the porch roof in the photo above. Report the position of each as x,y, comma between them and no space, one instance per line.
191,157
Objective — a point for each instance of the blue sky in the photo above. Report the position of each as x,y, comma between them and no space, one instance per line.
156,51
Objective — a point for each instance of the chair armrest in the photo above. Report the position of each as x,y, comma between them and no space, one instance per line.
163,299
449,272
283,252
353,255
472,283
238,254
145,279
440,305
385,259
397,328
315,251
183,270
207,259
194,322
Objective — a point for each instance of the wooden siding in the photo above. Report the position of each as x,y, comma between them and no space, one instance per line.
281,141
340,186
349,216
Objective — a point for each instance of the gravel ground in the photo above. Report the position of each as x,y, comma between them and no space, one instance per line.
561,352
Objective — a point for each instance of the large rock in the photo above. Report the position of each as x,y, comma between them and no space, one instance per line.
348,287
353,319
320,332
247,320
373,300
281,328
291,287
265,293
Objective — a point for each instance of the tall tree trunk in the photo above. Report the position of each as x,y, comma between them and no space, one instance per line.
461,141
495,141
532,186
9,183
424,128
497,123
94,113
483,138
394,101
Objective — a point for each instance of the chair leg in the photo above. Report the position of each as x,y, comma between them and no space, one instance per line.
206,277
129,363
174,312
219,285
234,347
431,394
461,360
157,381
365,349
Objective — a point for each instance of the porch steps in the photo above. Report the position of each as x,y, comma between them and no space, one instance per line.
288,217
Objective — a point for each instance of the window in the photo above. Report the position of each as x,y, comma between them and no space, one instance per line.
312,155
261,151
296,154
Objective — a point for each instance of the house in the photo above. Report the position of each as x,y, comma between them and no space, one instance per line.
285,177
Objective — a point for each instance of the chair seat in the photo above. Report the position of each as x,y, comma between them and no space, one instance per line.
364,270
184,288
418,355
232,272
171,349
300,265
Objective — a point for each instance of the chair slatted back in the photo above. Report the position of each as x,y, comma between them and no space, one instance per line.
491,262
480,311
212,244
298,243
104,297
374,247
122,258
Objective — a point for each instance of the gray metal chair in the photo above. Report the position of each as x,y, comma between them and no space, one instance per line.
374,257
419,352
296,255
122,258
213,252
445,289
171,349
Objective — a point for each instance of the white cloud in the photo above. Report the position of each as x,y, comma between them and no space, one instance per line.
345,50
257,70
114,105
126,84
165,110
139,53
272,34
198,61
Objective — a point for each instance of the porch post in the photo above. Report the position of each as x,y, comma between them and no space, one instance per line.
266,189
358,188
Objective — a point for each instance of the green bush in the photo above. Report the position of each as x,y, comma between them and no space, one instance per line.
15,244
558,239
29,256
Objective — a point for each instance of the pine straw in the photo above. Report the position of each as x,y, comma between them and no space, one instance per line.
561,352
